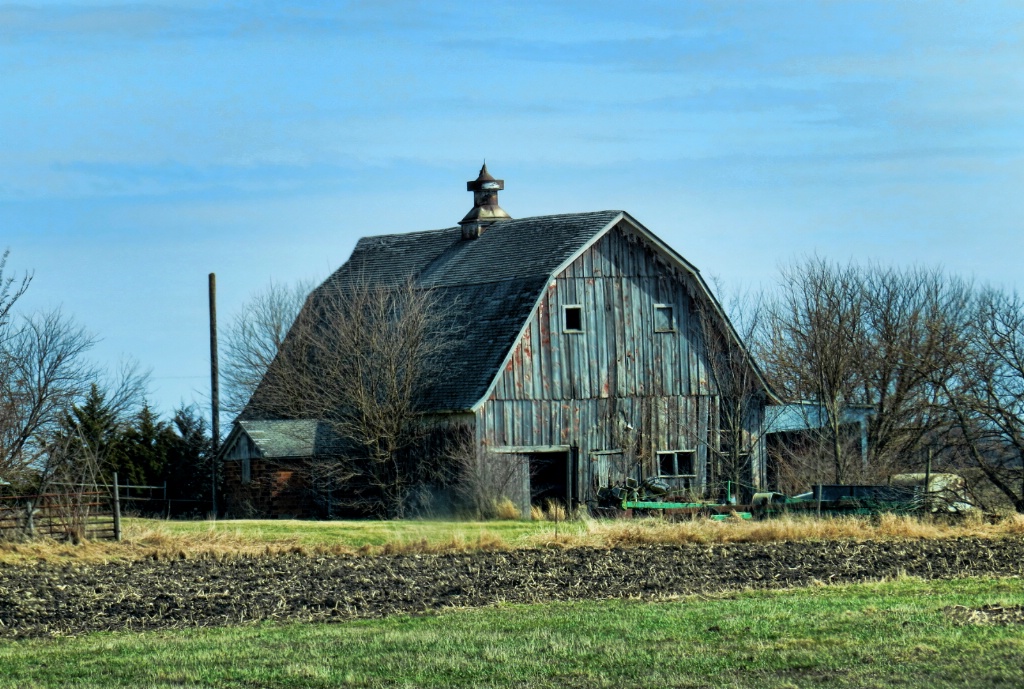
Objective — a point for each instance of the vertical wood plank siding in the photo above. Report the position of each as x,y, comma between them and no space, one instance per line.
582,389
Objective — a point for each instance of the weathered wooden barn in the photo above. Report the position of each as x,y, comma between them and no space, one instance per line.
582,358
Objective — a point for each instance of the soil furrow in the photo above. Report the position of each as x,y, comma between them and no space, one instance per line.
44,600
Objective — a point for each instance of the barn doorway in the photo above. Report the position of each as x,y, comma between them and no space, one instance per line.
553,477
549,474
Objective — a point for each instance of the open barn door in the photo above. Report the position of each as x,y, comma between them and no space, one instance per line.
553,477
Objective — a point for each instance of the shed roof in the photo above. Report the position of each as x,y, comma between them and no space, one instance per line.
284,438
802,416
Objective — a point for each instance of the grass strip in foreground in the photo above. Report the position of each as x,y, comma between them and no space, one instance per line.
891,634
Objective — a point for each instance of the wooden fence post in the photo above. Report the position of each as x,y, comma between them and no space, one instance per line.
117,510
30,522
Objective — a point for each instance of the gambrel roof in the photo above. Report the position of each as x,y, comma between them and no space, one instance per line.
496,279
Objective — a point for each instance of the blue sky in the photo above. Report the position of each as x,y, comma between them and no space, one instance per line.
143,146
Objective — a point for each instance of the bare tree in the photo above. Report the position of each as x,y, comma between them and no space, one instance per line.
484,479
986,393
815,345
11,289
879,340
915,326
43,374
364,359
254,338
740,388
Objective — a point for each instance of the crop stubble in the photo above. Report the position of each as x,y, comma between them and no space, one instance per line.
46,599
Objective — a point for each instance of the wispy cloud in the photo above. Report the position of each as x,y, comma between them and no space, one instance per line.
86,21
742,132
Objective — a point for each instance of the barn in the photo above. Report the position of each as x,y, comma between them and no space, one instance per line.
589,351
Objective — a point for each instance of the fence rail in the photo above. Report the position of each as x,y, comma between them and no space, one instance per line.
91,510
71,515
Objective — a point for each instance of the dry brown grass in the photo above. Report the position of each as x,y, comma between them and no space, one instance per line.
484,542
147,543
788,528
506,509
1013,525
552,511
161,542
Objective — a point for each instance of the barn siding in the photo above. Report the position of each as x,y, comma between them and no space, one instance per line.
619,354
583,389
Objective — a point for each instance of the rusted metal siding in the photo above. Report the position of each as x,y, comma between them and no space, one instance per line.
583,389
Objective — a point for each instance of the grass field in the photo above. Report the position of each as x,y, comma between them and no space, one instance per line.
352,534
894,634
159,538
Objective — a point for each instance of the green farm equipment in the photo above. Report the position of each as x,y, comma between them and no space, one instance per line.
653,496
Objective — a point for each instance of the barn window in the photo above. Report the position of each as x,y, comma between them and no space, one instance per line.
664,319
678,463
246,470
573,318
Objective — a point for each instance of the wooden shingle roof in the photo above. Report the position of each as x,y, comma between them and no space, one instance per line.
496,280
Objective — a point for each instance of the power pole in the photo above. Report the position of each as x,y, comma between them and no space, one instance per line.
214,393
928,482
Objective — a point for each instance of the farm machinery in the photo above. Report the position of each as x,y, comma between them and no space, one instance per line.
654,496
904,494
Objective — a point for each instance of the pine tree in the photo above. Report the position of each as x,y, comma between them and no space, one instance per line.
147,444
189,462
92,438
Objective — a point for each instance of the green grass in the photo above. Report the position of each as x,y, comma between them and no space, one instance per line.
891,634
354,533
145,538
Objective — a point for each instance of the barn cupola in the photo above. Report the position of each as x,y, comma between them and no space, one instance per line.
486,210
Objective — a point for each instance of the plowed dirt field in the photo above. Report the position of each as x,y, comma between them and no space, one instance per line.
44,600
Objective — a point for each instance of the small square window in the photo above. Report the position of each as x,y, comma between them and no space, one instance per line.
682,463
664,319
573,319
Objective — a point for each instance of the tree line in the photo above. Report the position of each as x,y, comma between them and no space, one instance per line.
933,362
66,422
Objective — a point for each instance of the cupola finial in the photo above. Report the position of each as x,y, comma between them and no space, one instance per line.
486,210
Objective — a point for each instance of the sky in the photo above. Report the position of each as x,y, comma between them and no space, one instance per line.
144,146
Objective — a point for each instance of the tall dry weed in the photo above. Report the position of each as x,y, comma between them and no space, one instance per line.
551,511
507,510
1013,525
785,528
156,541
555,511
484,542
906,526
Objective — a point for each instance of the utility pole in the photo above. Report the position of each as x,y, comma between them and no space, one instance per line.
928,482
214,394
